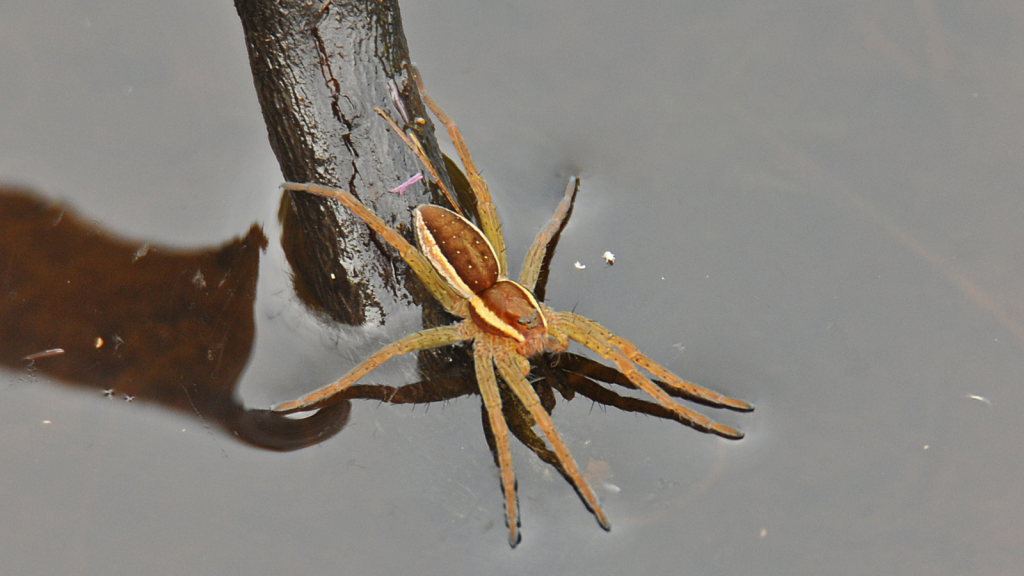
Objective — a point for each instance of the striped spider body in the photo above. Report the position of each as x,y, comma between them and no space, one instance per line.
464,268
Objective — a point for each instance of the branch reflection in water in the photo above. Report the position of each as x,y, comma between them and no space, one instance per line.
169,327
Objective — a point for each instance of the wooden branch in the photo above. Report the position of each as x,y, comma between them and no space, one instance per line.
320,69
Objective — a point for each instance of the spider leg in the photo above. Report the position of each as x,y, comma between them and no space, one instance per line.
594,391
431,338
675,382
417,261
417,149
535,257
483,359
489,223
512,376
582,330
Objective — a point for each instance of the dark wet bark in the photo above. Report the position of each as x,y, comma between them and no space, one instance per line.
320,69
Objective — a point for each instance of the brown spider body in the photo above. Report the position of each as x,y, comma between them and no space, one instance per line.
464,257
464,268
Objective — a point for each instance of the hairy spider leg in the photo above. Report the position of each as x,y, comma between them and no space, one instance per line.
430,338
675,382
483,361
489,223
535,257
587,335
513,376
417,149
438,288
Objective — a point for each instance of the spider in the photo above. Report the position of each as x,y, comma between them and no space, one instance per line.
464,268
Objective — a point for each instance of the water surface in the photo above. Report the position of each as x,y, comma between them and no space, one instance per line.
813,208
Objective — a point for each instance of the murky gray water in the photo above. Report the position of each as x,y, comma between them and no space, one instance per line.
816,209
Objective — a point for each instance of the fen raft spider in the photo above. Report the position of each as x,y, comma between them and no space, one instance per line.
464,269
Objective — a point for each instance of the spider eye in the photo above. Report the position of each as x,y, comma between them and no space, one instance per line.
528,321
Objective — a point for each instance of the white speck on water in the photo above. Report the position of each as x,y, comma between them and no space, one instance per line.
142,251
979,398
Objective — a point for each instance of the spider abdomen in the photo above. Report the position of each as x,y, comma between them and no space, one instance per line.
457,249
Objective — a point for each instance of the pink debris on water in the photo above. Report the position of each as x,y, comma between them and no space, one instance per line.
401,188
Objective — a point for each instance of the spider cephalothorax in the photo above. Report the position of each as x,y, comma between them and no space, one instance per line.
464,269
